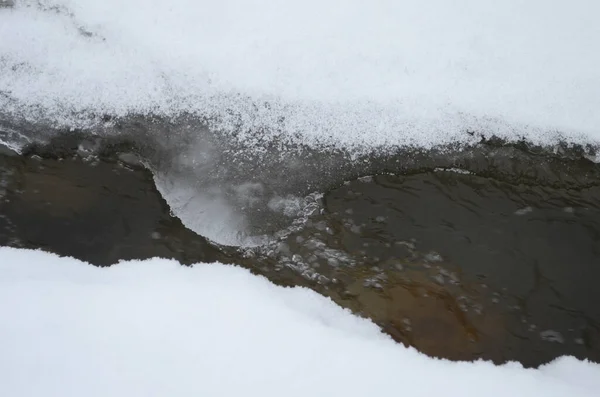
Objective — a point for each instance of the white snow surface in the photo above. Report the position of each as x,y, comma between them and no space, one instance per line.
353,73
156,328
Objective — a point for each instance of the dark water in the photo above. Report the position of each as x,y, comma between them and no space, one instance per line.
195,167
500,264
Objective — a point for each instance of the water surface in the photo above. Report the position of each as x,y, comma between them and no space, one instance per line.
459,263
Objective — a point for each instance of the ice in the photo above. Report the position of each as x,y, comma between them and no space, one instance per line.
156,328
350,74
208,212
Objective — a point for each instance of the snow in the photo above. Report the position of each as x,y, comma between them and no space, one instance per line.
344,73
155,328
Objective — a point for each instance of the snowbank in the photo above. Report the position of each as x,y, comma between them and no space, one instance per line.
346,73
155,328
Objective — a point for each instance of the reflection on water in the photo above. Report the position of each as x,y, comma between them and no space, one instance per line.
457,264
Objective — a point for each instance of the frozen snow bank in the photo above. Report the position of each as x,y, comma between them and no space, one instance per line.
155,328
348,73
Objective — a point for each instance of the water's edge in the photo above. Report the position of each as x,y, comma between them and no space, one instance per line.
99,203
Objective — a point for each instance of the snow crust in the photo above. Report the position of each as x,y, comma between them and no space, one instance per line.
339,73
156,328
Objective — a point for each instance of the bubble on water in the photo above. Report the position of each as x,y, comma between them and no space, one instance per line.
433,257
289,205
307,271
455,170
523,211
333,262
283,249
155,235
355,229
438,278
314,244
373,282
449,276
321,225
552,336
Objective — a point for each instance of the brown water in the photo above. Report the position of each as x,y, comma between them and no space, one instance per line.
458,265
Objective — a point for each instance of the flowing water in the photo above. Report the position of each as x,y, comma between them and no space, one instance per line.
433,166
487,252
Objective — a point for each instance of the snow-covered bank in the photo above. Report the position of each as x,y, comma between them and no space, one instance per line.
155,328
349,73
364,77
